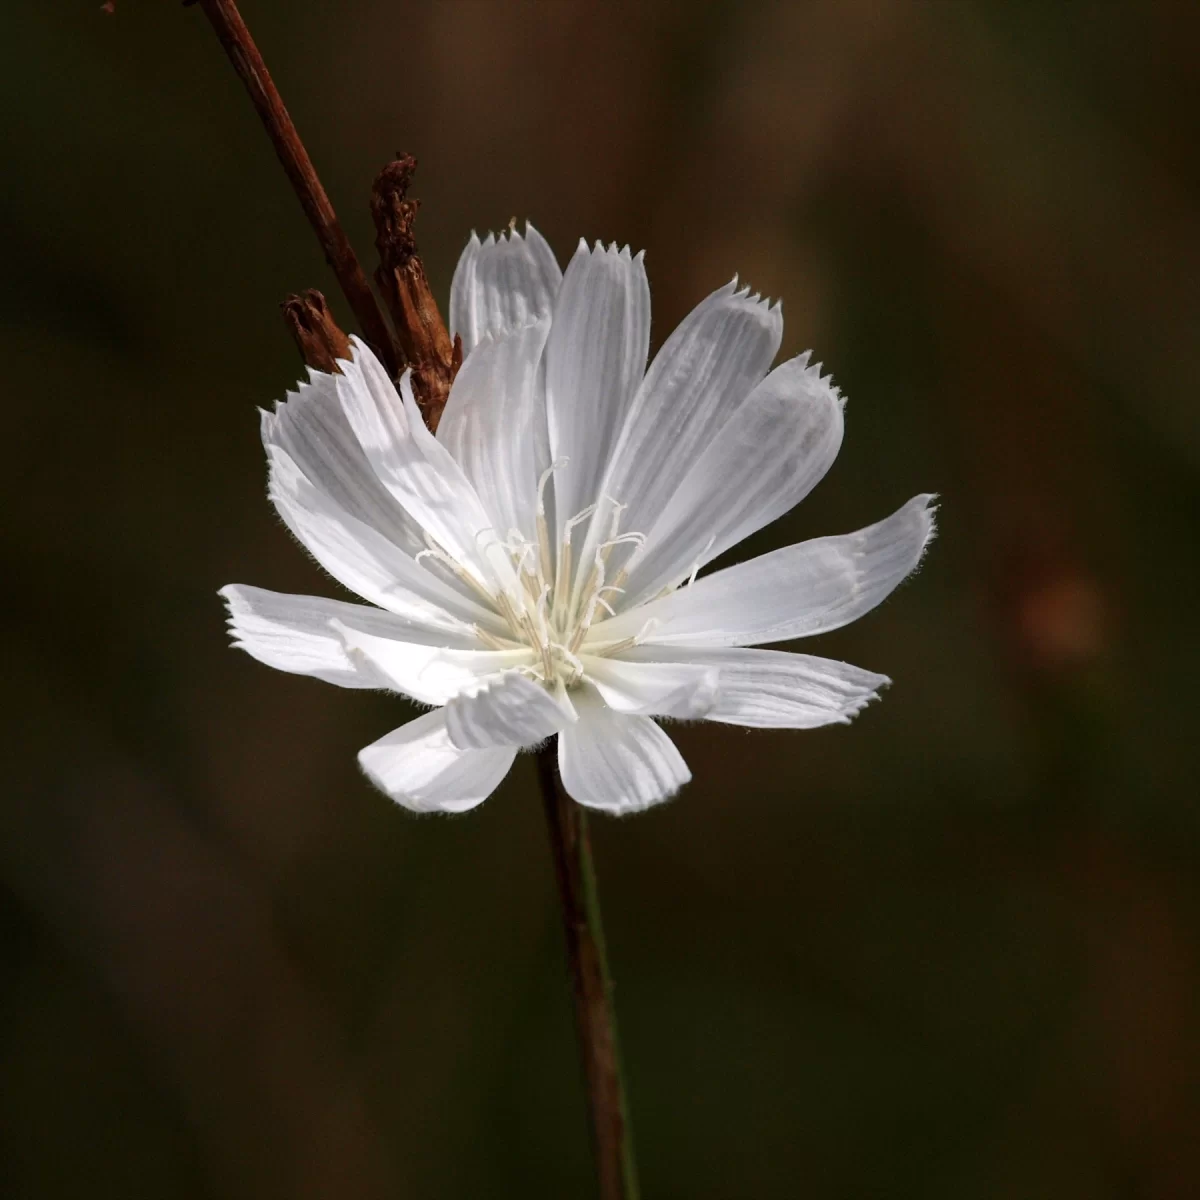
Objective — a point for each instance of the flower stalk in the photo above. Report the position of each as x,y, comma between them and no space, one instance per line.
420,340
591,983
240,47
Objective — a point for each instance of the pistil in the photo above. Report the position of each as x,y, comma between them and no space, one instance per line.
551,619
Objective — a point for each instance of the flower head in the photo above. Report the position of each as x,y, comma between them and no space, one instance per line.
531,569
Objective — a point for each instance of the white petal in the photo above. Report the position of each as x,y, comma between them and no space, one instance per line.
654,689
501,284
508,710
419,767
293,633
770,454
494,425
364,560
800,590
697,382
418,470
616,762
595,359
428,674
770,689
312,429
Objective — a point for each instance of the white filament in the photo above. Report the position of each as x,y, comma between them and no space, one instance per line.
551,608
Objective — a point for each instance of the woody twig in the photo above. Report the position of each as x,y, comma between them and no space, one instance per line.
233,35
424,341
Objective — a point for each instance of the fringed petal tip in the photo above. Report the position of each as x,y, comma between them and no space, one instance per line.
500,282
926,507
734,288
854,707
509,234
813,381
599,250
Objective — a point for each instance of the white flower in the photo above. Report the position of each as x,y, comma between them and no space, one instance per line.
531,569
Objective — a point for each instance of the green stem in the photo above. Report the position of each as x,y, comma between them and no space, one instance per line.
591,985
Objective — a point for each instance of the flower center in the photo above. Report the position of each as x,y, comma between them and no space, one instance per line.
555,600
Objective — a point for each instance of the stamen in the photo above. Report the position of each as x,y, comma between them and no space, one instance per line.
544,478
548,605
643,633
530,583
569,658
435,552
581,630
543,647
605,548
617,509
563,606
521,552
516,543
589,594
504,601
618,581
562,574
543,531
522,622
577,519
595,577
493,641
633,539
543,544
607,649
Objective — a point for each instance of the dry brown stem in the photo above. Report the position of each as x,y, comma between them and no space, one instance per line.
233,35
425,344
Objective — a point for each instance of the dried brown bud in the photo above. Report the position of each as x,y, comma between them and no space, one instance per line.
394,212
320,340
420,330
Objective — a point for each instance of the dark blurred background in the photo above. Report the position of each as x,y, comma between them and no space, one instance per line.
950,951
